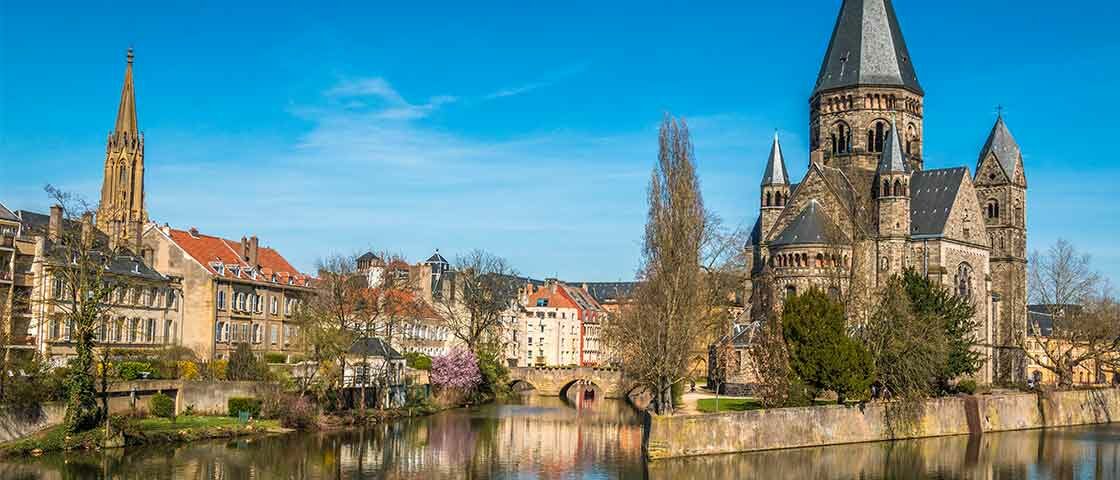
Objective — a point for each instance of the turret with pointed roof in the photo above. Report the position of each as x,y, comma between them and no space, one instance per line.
775,187
1002,145
867,49
121,213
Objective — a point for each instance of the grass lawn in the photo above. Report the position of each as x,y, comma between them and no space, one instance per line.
154,424
708,405
146,430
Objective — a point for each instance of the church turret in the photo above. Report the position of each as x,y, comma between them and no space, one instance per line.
1001,188
866,78
775,189
892,194
122,213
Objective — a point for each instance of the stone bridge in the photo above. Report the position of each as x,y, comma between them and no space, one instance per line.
558,381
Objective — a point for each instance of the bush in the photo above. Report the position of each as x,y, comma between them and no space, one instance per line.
217,369
244,404
966,386
820,351
275,357
457,370
131,370
162,406
293,412
243,365
188,370
418,361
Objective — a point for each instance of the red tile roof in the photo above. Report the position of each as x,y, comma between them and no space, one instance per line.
209,250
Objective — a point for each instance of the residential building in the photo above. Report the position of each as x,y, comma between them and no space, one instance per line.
558,325
234,291
867,208
1040,328
17,258
145,312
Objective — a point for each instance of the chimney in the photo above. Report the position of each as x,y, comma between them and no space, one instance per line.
244,248
194,232
254,248
138,239
87,230
54,231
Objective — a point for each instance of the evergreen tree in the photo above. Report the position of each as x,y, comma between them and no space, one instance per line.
936,305
821,352
243,365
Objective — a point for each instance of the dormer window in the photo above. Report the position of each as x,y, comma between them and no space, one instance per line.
218,267
235,270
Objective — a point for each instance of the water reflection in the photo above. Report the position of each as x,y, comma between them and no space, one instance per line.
1074,453
599,439
534,438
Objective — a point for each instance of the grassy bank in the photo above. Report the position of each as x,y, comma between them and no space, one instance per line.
139,432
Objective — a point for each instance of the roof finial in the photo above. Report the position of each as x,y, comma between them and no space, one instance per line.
130,55
999,111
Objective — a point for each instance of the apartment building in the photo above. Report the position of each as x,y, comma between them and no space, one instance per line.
558,325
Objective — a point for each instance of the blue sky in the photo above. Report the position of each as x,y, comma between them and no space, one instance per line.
524,128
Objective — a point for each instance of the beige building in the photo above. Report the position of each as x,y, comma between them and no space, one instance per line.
868,209
17,258
557,325
234,292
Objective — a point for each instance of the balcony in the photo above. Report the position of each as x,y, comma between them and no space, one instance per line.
6,276
7,242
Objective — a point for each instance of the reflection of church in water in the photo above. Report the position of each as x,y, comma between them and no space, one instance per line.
867,208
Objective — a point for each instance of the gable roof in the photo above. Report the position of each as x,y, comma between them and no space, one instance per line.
374,347
892,160
208,249
810,226
867,48
1003,145
932,194
437,258
610,291
6,214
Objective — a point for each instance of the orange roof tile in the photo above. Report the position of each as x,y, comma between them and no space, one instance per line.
207,249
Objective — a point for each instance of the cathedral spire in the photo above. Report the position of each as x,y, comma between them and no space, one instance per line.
126,112
892,160
867,49
776,173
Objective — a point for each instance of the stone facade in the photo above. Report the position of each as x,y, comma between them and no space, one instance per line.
867,209
121,214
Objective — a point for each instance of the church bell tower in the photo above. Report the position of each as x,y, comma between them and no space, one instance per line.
121,214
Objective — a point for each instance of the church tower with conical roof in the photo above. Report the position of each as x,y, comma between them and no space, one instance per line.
122,213
866,81
1001,189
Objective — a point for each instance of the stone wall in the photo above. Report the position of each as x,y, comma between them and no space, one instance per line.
15,425
688,435
212,397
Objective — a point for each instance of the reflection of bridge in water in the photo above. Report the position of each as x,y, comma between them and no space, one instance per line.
578,383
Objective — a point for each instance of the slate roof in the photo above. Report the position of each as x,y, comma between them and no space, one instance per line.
776,172
1003,145
867,48
932,193
125,264
610,291
6,214
756,232
892,160
1039,320
374,347
367,257
810,226
437,258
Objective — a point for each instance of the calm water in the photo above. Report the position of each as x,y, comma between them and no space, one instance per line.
546,438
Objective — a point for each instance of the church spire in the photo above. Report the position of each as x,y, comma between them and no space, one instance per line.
776,173
892,160
1003,146
867,49
126,112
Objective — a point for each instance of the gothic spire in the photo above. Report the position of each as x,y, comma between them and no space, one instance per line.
776,173
1001,144
867,49
892,160
126,112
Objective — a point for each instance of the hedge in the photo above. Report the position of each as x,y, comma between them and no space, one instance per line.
244,404
162,406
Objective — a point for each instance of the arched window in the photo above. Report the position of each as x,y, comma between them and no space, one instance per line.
820,261
221,300
898,188
879,131
886,191
964,281
791,290
768,202
841,138
993,208
911,139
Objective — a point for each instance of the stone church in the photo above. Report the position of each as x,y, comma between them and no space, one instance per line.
868,209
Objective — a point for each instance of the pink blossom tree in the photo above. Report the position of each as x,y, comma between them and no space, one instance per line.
457,370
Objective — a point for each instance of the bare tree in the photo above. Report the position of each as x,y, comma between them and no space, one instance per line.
1084,316
482,287
328,316
79,298
656,335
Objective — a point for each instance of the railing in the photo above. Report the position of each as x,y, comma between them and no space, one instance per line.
6,276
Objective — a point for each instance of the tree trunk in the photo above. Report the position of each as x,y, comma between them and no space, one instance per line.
82,412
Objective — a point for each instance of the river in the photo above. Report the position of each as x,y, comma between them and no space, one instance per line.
539,437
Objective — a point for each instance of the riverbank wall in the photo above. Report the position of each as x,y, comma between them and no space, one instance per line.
204,397
772,429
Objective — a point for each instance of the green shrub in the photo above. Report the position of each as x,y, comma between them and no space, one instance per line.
244,404
275,357
130,370
418,361
162,406
966,386
243,365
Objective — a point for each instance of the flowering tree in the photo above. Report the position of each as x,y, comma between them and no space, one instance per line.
458,370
